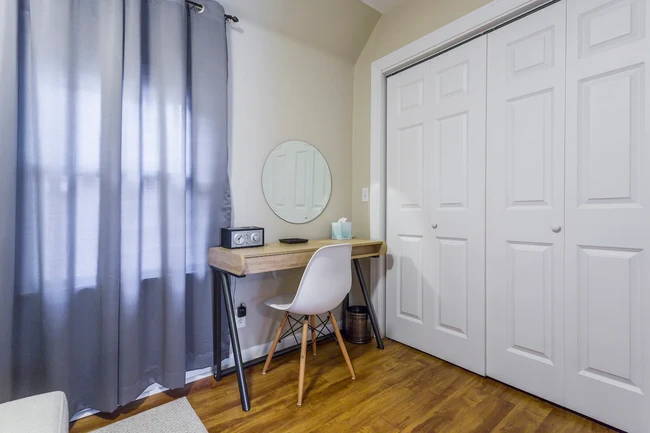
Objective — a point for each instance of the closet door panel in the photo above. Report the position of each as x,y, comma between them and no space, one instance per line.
607,216
409,297
457,212
436,206
525,203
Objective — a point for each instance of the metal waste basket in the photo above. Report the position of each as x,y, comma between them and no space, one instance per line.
357,325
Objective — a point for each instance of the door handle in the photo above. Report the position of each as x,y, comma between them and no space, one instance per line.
434,225
556,228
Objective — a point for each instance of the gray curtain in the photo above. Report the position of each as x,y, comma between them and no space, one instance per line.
113,154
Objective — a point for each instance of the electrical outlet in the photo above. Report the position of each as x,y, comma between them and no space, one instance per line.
364,194
241,322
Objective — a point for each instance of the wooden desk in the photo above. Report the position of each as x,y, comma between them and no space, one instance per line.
273,257
278,257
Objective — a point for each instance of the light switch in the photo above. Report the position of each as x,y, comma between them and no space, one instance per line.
364,194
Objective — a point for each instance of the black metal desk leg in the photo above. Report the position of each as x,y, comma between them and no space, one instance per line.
371,309
234,340
216,323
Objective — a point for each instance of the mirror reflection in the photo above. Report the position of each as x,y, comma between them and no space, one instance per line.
297,182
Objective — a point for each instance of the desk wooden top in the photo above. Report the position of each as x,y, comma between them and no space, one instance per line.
277,256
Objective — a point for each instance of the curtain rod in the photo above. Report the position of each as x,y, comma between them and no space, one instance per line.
200,8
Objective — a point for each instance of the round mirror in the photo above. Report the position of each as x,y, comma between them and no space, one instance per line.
297,182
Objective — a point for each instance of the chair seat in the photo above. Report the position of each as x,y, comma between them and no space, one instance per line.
280,302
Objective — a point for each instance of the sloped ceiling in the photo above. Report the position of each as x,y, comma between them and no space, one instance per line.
338,27
382,6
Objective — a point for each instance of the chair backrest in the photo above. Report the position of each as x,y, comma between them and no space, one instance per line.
326,281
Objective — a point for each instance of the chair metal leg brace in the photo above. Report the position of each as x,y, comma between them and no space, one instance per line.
322,327
297,325
293,327
317,334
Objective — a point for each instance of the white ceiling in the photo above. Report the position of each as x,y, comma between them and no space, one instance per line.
381,5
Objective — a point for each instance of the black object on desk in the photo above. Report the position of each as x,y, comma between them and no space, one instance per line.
294,241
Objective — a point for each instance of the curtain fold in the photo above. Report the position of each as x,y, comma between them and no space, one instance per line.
209,208
114,161
9,16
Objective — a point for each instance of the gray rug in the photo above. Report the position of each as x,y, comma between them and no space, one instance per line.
176,416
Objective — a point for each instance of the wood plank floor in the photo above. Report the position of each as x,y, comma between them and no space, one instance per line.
396,390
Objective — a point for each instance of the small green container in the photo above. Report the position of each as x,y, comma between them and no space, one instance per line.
342,230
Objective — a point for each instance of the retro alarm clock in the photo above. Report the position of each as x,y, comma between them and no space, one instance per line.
242,237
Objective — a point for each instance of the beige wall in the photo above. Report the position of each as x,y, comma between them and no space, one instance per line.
406,22
282,90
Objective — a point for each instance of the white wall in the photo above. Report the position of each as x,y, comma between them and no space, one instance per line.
283,90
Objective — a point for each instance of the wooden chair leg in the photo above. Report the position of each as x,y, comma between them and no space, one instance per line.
313,333
303,354
341,344
275,343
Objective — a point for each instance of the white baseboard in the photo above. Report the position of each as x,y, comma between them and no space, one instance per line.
194,375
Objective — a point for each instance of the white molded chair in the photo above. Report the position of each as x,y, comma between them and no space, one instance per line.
324,285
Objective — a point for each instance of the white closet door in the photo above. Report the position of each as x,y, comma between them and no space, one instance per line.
608,212
525,200
408,295
435,206
456,174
